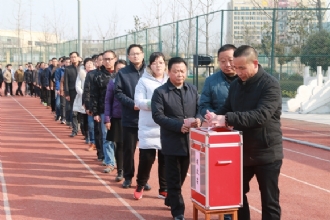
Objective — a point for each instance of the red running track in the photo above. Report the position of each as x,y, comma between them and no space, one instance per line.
49,175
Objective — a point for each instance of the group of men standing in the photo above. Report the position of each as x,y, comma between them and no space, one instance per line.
241,95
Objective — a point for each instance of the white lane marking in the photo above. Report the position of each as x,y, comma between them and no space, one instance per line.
87,167
307,131
306,183
255,209
307,143
307,155
6,206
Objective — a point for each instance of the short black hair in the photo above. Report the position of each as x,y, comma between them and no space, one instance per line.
95,56
246,51
87,60
226,47
134,45
120,62
109,51
73,53
66,58
54,58
154,56
8,65
175,60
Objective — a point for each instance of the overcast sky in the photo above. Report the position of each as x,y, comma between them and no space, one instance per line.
98,16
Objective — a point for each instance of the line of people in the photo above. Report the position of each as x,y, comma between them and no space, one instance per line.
122,106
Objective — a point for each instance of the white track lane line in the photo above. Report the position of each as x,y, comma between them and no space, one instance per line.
307,131
86,166
306,183
6,206
307,155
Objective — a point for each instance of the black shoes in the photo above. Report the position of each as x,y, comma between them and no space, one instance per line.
127,184
73,134
179,217
119,176
147,187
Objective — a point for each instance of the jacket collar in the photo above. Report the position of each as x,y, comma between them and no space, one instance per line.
255,78
173,87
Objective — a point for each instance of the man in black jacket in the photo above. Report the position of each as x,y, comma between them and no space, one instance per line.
126,80
97,99
92,124
172,104
70,76
254,106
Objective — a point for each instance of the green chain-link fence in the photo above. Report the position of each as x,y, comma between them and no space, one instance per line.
286,39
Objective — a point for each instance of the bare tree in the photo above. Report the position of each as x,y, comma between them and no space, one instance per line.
206,7
112,30
190,6
157,11
19,23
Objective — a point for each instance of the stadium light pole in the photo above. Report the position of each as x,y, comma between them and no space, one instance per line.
79,29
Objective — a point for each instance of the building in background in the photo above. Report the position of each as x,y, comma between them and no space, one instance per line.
18,46
250,21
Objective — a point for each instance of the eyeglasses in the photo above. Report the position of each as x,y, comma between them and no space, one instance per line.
135,54
109,59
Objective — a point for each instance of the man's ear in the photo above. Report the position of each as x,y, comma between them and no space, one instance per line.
255,62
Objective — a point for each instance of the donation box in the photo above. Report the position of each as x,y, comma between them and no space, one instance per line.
216,167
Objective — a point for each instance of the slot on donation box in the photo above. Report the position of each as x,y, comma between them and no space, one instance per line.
216,167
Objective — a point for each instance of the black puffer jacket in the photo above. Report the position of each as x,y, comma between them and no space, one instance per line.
99,89
254,107
88,88
125,83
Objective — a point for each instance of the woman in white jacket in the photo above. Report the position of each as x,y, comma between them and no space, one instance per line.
78,103
149,132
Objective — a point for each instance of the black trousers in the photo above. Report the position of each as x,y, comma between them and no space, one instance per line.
36,91
19,89
73,93
9,88
267,177
98,140
119,155
176,168
31,88
52,100
129,145
146,159
46,95
62,108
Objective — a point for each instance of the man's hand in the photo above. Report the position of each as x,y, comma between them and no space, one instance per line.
67,98
196,123
58,92
47,88
108,125
97,118
184,129
214,120
136,108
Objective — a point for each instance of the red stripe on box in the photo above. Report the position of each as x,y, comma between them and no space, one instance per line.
198,197
197,136
217,139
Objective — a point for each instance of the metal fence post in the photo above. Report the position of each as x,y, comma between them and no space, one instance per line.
272,65
195,80
160,42
221,31
177,39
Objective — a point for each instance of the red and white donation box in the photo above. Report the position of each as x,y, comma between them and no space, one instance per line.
216,168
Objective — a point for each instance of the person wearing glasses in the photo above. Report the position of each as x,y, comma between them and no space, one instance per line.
126,80
97,97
